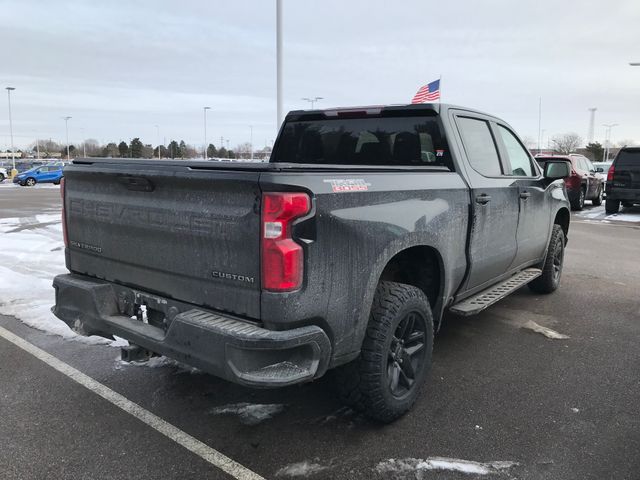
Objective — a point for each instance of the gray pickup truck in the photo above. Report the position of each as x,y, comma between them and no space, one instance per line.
341,253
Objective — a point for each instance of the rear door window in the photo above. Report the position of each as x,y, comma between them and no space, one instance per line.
628,158
479,145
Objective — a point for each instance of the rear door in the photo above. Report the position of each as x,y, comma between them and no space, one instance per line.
535,207
494,198
593,182
185,233
48,174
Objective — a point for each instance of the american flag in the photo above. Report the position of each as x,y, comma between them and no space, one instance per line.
427,93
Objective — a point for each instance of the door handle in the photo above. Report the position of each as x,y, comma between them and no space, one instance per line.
525,195
483,199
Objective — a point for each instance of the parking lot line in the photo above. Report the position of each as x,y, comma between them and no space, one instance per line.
172,432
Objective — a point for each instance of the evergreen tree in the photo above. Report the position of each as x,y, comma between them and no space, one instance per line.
123,148
596,152
136,148
174,149
211,151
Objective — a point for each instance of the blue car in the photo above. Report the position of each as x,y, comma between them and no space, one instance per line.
44,174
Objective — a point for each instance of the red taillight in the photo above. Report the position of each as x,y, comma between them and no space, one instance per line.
610,174
282,257
64,217
572,181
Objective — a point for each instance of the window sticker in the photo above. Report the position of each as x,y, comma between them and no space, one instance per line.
339,185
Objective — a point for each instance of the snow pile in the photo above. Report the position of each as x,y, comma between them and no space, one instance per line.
546,331
250,413
529,320
157,362
300,469
411,466
599,213
31,254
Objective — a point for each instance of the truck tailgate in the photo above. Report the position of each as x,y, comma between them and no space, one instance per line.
191,234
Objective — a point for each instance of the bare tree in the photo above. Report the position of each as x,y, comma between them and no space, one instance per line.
627,142
243,150
530,142
566,143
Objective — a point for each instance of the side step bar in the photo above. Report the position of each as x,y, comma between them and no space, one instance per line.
495,293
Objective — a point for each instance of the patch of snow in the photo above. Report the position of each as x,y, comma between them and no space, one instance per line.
414,465
300,469
599,213
575,410
250,413
31,254
624,217
547,332
528,320
158,362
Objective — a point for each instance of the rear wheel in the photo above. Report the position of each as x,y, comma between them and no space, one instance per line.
612,206
552,267
578,203
385,380
627,204
598,200
2,177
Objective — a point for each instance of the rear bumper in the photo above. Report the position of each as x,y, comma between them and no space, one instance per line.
230,348
623,194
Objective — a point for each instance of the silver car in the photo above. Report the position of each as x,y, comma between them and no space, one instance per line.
602,168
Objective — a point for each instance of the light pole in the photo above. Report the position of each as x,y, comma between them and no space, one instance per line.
279,62
607,138
251,141
66,127
312,100
539,123
13,157
84,143
204,153
158,139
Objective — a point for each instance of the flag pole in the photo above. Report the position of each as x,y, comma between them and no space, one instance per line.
440,85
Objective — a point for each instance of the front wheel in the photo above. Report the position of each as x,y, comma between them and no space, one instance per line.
598,200
385,380
30,182
2,177
552,268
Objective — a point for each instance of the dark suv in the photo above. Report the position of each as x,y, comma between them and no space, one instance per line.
583,183
623,180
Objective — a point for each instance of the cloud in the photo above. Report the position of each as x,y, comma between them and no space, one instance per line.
119,68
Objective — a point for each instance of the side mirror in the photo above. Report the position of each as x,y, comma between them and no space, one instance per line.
600,170
554,170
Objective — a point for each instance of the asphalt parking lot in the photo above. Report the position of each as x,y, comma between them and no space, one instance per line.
499,391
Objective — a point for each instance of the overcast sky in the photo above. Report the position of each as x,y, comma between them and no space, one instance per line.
121,67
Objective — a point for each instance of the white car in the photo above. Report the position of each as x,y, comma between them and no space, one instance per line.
3,174
602,168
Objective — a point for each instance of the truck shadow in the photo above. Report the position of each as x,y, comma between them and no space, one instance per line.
246,410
